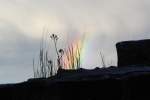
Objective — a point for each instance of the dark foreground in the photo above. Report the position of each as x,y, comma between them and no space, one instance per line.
128,83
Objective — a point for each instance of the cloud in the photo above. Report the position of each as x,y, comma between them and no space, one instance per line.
16,53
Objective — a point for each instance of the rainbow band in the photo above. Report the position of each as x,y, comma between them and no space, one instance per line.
75,52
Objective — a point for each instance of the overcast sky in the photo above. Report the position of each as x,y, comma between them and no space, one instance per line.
104,21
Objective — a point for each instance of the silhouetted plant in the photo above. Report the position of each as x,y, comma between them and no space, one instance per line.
102,60
46,68
55,38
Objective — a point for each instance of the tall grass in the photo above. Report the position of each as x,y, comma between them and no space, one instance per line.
72,57
103,62
66,59
45,67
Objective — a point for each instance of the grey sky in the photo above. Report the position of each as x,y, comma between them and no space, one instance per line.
107,22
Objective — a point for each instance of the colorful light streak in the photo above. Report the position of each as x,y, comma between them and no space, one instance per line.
74,54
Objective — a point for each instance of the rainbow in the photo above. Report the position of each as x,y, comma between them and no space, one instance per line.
74,54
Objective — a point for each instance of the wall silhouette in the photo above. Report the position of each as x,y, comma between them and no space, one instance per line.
133,53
